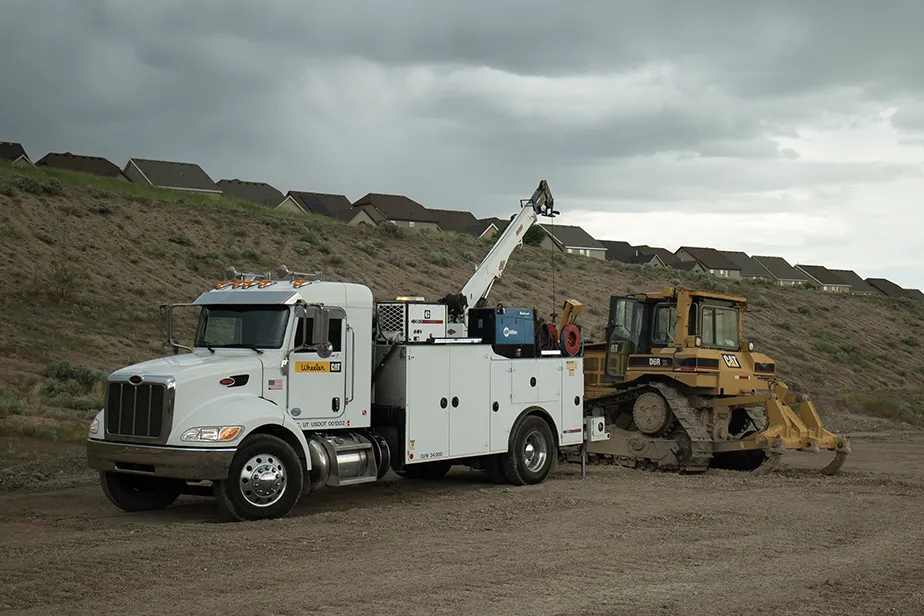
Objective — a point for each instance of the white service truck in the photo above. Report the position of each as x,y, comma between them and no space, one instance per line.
297,383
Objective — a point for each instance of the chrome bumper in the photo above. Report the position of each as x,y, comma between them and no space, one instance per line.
195,464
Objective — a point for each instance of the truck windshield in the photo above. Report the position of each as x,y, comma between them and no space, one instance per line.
242,327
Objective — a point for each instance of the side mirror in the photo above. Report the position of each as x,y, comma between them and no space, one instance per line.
320,333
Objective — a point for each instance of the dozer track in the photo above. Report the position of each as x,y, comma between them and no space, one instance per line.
684,446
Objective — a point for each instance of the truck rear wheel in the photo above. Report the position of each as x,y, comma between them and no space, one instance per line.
139,492
532,452
264,480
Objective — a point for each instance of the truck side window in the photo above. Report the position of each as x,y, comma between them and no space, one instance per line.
335,333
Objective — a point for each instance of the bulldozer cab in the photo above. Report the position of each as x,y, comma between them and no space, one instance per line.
642,324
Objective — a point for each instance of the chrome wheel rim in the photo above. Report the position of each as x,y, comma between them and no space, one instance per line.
263,480
535,451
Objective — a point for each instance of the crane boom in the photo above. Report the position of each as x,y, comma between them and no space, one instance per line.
492,266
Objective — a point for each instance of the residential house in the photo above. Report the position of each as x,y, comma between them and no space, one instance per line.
398,210
572,240
324,204
825,278
667,258
14,153
750,269
713,261
455,220
255,192
914,294
484,228
170,174
624,252
95,165
784,273
858,286
887,287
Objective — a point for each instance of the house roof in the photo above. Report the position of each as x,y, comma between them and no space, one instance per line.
255,192
96,165
710,258
10,150
455,220
480,226
887,287
823,275
171,174
619,251
570,236
334,206
780,268
687,266
397,207
857,284
747,265
666,256
914,293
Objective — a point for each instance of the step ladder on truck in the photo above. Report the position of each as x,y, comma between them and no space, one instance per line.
295,383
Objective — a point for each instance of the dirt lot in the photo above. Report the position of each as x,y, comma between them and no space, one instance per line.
617,542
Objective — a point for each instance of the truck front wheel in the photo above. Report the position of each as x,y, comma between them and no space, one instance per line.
264,480
139,492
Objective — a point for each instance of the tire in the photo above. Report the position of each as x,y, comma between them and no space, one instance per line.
280,484
139,492
494,468
428,471
532,452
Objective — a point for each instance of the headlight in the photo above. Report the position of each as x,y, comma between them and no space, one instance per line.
750,346
94,426
212,434
698,341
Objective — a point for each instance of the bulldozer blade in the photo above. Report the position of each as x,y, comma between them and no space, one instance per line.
841,451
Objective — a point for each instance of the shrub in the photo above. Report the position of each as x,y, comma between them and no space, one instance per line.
179,239
468,255
367,247
391,229
310,236
63,279
762,302
524,284
336,259
910,341
101,208
395,259
784,325
6,188
411,263
11,404
37,187
63,371
439,258
803,310
302,249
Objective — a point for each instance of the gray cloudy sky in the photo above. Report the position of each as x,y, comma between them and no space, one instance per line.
787,128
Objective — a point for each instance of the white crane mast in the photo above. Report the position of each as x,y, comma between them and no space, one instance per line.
492,266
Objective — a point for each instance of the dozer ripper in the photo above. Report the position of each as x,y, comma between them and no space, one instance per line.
679,388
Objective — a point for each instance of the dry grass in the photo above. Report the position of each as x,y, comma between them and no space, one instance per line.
89,266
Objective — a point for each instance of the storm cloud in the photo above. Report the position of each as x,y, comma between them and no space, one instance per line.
784,128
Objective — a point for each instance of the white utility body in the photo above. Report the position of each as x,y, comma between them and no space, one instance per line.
298,383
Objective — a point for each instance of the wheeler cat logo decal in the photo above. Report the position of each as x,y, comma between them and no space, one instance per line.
731,361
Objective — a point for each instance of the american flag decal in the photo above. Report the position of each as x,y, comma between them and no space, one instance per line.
274,384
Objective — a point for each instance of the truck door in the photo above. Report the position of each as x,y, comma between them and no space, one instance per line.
317,385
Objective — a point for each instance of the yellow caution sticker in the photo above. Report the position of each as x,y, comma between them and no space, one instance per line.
318,366
572,366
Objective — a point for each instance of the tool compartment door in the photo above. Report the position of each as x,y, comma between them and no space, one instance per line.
427,402
469,400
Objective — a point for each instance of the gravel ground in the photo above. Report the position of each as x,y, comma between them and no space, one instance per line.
616,542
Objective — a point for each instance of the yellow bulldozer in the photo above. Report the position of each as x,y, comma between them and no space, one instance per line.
679,388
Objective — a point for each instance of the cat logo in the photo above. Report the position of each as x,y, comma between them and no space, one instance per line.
318,366
731,361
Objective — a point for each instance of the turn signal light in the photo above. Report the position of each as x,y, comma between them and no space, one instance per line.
229,433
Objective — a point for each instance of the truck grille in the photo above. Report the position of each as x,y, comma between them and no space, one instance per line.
136,410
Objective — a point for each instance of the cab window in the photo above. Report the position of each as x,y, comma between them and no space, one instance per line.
720,327
335,333
664,323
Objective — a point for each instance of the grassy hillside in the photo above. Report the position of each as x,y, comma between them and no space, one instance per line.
86,262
